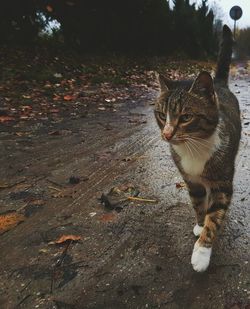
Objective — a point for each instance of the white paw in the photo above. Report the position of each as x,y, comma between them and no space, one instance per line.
197,230
200,257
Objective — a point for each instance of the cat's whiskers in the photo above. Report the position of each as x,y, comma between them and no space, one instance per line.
194,147
200,143
187,146
209,147
200,139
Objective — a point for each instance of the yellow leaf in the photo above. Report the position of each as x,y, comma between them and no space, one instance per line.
65,238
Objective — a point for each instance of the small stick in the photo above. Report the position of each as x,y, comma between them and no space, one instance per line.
54,183
56,189
140,199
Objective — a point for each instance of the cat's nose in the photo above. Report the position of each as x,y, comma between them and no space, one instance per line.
168,131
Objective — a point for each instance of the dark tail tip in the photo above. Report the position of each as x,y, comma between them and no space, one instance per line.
225,55
227,33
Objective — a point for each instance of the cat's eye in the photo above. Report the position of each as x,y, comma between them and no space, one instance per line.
186,117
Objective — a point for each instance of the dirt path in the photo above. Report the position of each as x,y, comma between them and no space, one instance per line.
136,258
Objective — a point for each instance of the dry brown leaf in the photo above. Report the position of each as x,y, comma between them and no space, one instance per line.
37,202
9,220
6,118
180,185
65,238
68,97
56,98
24,117
20,133
109,217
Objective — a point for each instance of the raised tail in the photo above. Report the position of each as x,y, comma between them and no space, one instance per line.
225,55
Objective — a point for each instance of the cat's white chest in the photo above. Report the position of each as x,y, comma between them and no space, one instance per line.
192,165
194,161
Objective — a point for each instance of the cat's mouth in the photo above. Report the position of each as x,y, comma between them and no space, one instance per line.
176,142
173,141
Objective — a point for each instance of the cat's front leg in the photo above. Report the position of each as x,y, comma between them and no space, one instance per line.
215,214
198,196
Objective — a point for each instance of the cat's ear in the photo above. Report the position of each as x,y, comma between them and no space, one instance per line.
203,84
163,82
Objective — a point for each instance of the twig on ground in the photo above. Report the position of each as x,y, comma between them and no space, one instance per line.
56,189
140,199
58,264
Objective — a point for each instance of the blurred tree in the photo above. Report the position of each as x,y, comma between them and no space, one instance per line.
141,26
20,21
243,43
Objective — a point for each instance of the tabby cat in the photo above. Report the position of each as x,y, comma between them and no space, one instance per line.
201,121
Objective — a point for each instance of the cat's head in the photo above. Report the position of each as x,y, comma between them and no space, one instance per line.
184,113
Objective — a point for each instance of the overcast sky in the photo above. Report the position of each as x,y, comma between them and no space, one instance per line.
226,5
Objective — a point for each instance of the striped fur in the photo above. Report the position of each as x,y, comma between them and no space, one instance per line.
201,121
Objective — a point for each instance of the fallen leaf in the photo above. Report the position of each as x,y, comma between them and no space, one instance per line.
180,185
56,98
37,202
24,117
10,220
137,121
20,133
6,118
65,238
68,97
43,250
108,217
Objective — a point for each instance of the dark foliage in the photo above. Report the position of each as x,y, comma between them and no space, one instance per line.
131,26
243,43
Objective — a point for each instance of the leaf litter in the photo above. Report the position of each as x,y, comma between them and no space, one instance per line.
119,197
65,238
10,220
